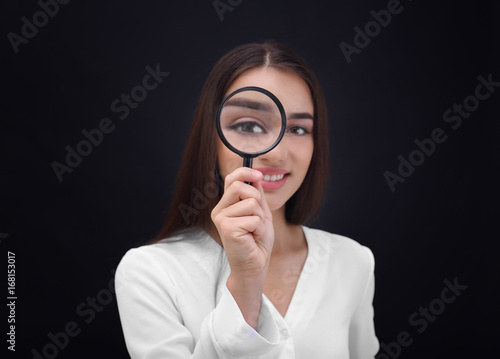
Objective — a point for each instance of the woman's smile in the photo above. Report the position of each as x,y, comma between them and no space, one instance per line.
273,178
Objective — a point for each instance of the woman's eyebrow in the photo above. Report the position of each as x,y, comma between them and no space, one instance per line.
300,116
254,105
261,106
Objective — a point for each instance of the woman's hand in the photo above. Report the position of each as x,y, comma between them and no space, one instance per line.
244,223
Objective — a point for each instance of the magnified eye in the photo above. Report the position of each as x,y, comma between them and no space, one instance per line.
247,127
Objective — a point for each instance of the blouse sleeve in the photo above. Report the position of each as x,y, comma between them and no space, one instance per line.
363,343
153,327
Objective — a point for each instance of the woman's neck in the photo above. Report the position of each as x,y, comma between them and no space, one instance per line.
287,237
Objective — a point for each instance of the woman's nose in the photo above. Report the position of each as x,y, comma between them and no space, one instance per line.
277,154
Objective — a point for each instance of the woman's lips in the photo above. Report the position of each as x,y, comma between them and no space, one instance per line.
274,178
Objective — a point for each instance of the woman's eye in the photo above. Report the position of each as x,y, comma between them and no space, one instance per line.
247,127
296,130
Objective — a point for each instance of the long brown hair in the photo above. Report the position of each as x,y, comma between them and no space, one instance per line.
199,186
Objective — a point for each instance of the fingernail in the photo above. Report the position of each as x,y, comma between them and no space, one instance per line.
256,174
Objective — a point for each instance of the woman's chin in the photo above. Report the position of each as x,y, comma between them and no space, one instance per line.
275,206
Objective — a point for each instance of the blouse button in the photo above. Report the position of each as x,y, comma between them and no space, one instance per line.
284,333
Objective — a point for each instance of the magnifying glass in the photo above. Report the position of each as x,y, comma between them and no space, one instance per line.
251,121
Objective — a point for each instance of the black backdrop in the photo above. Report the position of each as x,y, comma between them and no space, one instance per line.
69,233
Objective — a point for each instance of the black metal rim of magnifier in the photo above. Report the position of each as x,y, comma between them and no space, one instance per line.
249,156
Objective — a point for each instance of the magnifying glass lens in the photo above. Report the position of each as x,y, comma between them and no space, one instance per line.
250,121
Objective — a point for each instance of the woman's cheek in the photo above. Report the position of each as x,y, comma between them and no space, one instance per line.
228,161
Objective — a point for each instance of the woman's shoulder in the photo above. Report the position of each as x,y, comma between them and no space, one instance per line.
182,250
343,248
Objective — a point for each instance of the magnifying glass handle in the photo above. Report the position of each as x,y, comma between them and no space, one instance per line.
247,162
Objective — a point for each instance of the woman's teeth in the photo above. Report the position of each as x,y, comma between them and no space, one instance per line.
273,178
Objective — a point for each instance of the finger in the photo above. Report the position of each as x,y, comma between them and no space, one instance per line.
238,191
243,174
240,228
263,202
247,207
261,231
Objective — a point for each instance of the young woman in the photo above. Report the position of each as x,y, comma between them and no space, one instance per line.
235,273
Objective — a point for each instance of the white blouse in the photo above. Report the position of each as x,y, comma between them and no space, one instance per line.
174,303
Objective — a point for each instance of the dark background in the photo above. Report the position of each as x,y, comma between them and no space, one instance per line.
69,236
